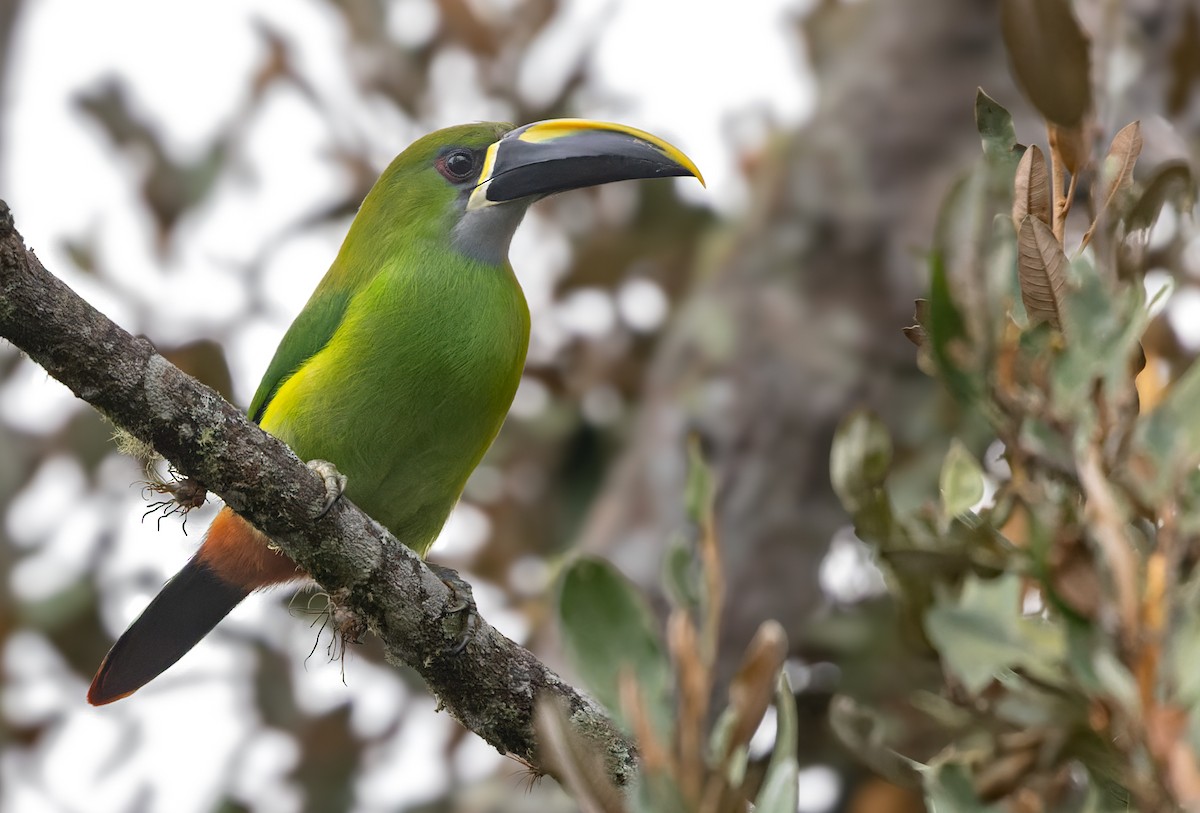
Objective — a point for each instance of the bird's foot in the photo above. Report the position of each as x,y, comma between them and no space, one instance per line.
349,625
460,618
185,493
188,492
335,484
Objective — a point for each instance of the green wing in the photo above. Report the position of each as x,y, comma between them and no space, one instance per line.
311,331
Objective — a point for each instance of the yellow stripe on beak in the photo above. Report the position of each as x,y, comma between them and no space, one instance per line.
552,129
478,198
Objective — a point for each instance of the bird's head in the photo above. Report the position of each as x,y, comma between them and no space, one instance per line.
475,181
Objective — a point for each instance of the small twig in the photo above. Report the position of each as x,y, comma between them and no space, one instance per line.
1106,517
693,687
1057,216
1067,202
714,585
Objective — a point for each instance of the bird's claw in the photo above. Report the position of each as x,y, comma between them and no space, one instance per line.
349,625
460,618
335,484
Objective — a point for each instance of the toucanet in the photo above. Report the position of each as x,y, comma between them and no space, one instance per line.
402,366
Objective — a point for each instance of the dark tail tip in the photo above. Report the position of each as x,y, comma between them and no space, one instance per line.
186,609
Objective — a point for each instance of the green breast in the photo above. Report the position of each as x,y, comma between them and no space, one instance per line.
411,390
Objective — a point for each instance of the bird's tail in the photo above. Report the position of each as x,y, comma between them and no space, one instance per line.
235,560
188,607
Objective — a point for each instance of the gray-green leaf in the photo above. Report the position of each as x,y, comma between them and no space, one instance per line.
961,480
779,792
860,457
983,633
607,626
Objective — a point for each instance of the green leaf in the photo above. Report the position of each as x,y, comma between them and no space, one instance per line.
946,329
867,731
1117,681
787,721
1167,441
779,792
1105,799
860,457
1028,708
961,481
699,488
1184,653
1000,265
721,734
1113,321
986,187
735,766
971,260
948,789
681,575
658,792
607,626
1172,181
858,462
995,127
983,633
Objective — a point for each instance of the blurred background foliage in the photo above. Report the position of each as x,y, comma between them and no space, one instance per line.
992,472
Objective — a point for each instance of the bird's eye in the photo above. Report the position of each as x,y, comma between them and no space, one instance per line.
457,165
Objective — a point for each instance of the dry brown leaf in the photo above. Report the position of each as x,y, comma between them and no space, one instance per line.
1185,62
1049,55
1073,574
1068,151
1001,775
653,753
694,682
1153,620
1152,383
1122,154
753,687
1009,368
1184,775
1167,739
915,334
1041,271
1031,189
1069,145
1117,173
714,586
1165,726
1109,528
575,762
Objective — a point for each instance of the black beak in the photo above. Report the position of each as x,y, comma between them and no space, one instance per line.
559,154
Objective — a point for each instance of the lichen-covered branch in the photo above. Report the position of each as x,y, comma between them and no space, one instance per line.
490,686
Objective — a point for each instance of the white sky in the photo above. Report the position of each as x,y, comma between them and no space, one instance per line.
711,77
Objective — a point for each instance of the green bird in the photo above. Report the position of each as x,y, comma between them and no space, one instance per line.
402,366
